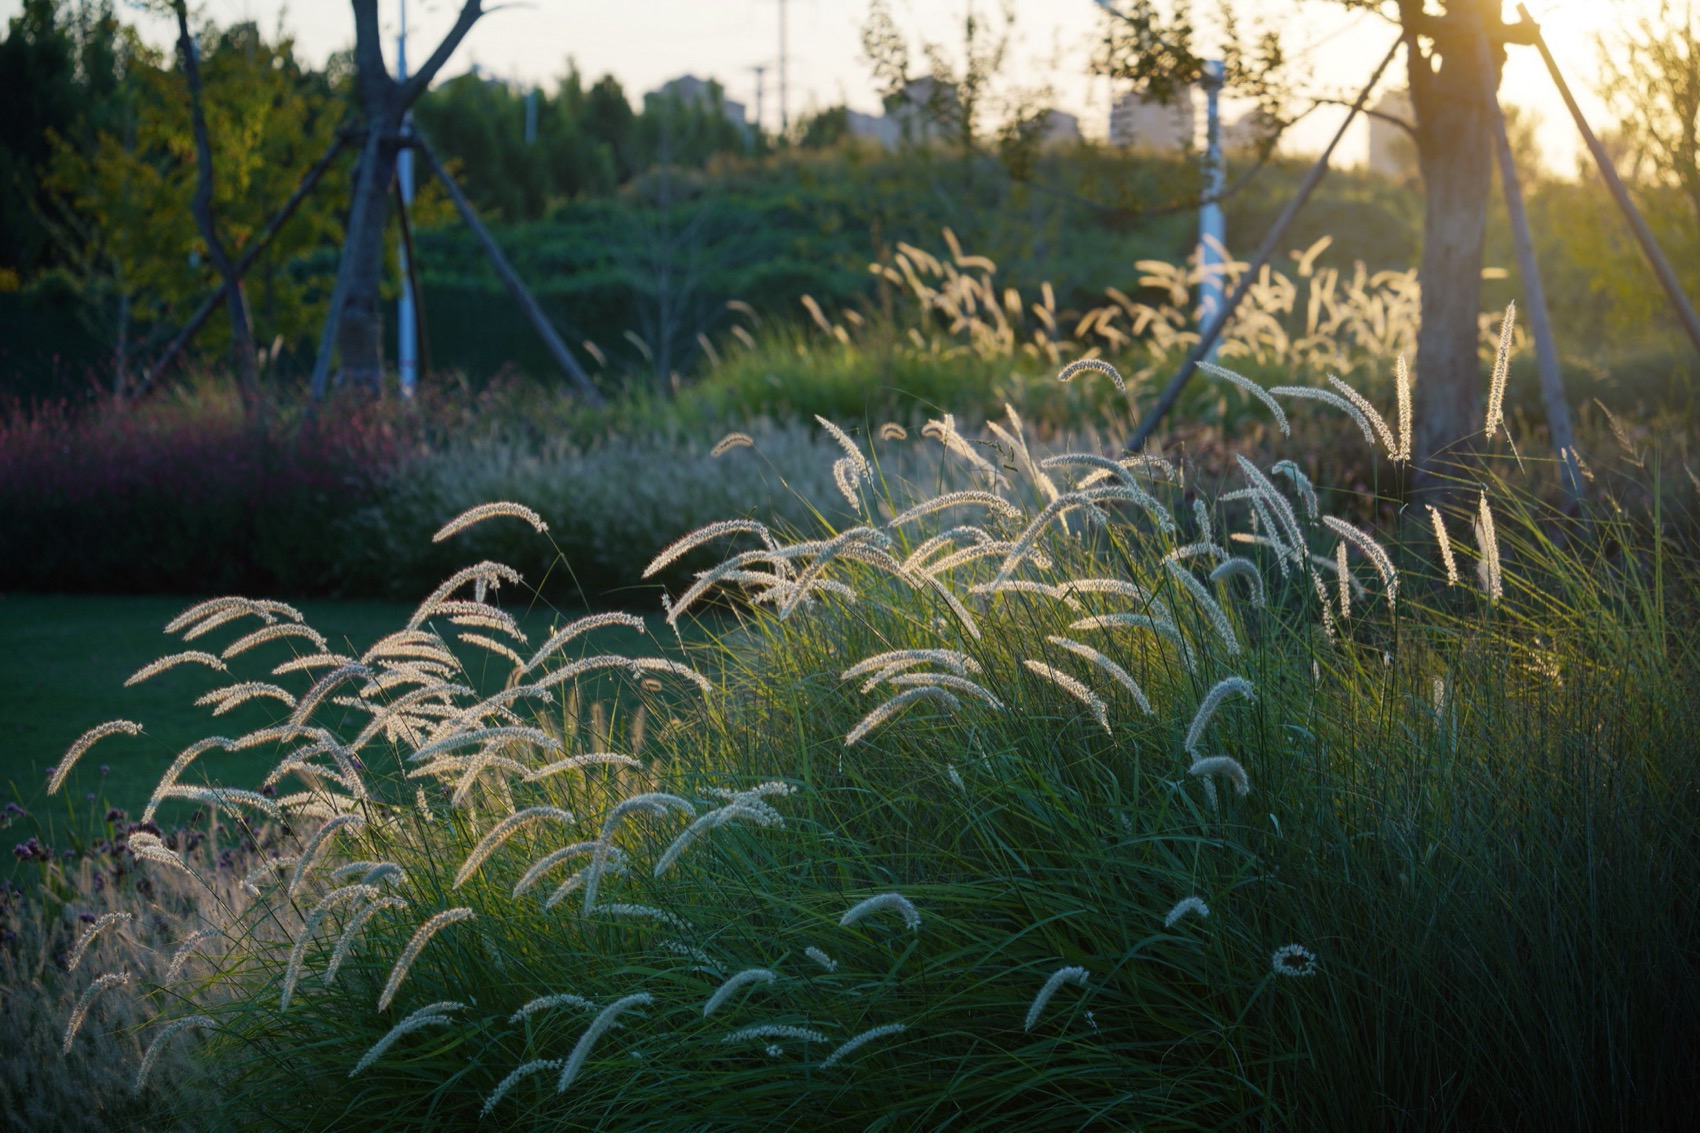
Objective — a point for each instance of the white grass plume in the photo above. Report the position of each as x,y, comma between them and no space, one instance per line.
482,512
1116,673
1026,586
892,431
1255,390
1373,551
309,929
321,687
1186,906
1242,568
545,1002
230,696
189,655
1445,542
1501,367
1293,960
653,802
431,1015
1228,686
351,932
1066,975
1343,580
687,543
821,958
148,847
1156,623
226,609
484,735
82,745
884,664
731,441
944,431
500,649
946,680
720,816
80,1012
897,704
769,1031
1329,397
421,937
501,832
157,1046
1213,612
1370,414
883,902
598,1026
867,1036
274,633
309,662
186,950
484,575
1224,765
1096,365
524,1070
966,498
1272,496
316,846
1492,580
1301,485
578,762
1402,387
726,990
87,938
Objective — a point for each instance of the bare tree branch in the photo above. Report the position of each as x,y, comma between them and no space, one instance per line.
416,84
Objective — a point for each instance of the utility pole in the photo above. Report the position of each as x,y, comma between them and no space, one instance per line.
784,114
760,70
1212,249
406,331
531,117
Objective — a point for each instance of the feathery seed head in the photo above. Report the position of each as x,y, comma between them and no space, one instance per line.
881,903
1071,974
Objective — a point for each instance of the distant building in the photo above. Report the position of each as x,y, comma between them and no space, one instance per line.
692,91
1061,127
1139,121
1391,151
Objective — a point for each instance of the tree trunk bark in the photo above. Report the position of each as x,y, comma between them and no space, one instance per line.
1454,154
360,323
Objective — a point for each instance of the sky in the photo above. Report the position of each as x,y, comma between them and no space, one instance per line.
646,42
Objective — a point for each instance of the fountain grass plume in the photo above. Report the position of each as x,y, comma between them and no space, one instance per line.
603,1021
316,845
151,1055
545,1002
1116,673
421,937
1095,365
870,1035
1217,617
1186,906
1329,397
501,832
524,1070
655,802
897,704
720,816
1495,418
966,498
351,932
274,633
1445,543
1373,551
1228,686
195,656
1254,389
482,512
1075,688
883,902
1235,567
1370,414
1071,974
1226,766
81,1010
82,745
87,938
730,987
431,1015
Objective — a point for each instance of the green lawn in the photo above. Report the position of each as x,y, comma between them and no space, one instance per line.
64,660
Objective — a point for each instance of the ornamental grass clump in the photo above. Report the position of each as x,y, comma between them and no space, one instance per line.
892,830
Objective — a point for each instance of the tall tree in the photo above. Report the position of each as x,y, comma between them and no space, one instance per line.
355,326
1452,99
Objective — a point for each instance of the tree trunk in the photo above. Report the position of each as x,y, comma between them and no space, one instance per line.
1454,154
241,328
360,323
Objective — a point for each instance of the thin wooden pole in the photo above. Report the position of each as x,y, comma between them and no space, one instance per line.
249,254
1213,330
1534,295
1643,235
509,277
